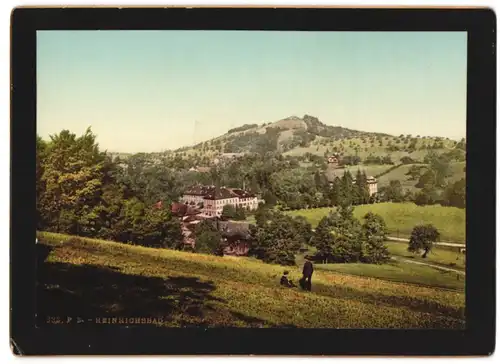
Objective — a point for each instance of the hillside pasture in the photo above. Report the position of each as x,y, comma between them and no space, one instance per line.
93,278
456,173
443,257
370,169
400,218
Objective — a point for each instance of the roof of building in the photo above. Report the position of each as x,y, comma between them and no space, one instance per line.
220,194
241,193
200,190
180,209
213,193
369,179
235,229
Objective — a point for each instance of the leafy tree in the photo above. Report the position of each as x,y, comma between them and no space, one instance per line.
72,178
407,160
361,191
208,239
303,228
441,168
157,229
274,239
455,194
240,213
428,196
346,190
338,237
414,172
422,238
427,179
393,192
462,144
323,238
387,160
228,212
373,249
371,159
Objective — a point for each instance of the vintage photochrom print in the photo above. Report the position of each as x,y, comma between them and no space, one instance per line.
230,178
252,179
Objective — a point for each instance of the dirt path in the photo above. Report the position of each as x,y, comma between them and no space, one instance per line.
392,238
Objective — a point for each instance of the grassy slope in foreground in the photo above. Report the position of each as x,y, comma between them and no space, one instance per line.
97,278
402,217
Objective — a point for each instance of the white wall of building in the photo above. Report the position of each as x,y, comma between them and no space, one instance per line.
214,207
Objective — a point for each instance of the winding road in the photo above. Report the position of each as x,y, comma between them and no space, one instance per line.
455,245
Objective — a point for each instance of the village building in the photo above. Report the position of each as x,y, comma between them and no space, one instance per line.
370,180
211,200
372,184
333,160
235,235
200,169
196,195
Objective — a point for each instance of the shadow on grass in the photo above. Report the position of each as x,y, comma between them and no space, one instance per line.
93,291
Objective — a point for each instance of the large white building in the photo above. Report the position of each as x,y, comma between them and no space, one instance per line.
212,200
372,184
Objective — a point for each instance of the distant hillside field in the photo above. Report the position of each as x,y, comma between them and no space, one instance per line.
370,170
296,136
402,217
92,278
400,174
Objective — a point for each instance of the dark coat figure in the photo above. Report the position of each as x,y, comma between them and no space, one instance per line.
307,273
285,281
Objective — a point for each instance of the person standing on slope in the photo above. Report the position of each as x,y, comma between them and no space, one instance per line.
307,272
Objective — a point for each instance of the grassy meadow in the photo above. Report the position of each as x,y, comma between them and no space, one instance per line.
399,271
456,173
402,217
90,277
370,170
443,257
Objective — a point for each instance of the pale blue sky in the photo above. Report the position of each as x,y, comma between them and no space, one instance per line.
144,90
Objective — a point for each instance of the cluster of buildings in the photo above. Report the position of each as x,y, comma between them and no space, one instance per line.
205,203
210,200
333,162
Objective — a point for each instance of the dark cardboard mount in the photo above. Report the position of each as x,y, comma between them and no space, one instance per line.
479,336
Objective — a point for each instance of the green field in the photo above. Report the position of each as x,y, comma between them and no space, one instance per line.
401,272
97,278
370,170
456,173
443,257
356,146
402,217
400,175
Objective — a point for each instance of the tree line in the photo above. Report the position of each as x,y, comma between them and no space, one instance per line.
82,191
339,237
